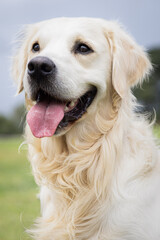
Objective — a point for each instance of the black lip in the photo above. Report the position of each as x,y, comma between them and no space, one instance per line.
76,113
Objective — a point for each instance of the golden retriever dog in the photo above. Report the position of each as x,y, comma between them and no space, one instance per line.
96,161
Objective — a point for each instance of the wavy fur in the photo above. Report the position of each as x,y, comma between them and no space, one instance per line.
98,179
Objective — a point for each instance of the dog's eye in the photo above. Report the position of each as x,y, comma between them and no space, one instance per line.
36,47
82,48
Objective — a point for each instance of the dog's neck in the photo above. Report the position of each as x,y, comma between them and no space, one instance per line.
86,144
79,166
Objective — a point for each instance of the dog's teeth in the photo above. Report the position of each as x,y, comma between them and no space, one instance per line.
66,109
72,104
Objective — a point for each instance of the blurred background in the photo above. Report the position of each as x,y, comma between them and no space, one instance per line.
141,18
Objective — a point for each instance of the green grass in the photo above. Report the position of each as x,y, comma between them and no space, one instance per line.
157,131
19,205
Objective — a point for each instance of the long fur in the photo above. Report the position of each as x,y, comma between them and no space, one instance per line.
81,172
96,178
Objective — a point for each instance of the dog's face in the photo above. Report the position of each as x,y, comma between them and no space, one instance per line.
66,59
66,65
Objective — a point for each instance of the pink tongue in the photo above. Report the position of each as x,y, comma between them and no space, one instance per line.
43,118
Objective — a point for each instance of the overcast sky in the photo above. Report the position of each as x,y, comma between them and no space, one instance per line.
141,18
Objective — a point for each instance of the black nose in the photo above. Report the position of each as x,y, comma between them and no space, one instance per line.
41,67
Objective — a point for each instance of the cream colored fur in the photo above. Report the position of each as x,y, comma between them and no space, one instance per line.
100,178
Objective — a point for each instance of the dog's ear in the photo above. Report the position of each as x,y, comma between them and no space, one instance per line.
130,64
20,59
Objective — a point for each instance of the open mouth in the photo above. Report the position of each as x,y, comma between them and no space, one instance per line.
49,115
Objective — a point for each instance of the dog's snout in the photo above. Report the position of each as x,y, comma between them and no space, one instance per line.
41,67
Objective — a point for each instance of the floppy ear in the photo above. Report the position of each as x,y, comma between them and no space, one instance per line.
20,60
130,64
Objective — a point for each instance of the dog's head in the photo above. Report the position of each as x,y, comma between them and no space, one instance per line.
66,67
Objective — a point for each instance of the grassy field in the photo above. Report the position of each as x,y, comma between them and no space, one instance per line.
18,203
157,131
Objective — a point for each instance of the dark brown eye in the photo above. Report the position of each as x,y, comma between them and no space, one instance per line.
35,47
82,48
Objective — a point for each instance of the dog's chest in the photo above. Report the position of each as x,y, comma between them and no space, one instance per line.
126,218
